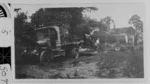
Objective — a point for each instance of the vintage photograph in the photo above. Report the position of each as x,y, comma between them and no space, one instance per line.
100,41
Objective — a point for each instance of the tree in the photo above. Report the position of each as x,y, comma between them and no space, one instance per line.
23,29
20,21
107,22
136,21
60,16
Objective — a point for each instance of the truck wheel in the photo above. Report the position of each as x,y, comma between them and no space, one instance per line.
45,57
75,53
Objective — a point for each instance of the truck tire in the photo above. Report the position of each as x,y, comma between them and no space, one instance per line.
45,57
75,53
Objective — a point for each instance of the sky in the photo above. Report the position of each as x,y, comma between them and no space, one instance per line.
120,13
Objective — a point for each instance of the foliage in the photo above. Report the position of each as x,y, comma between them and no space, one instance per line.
107,22
24,31
20,21
136,21
104,26
87,26
60,17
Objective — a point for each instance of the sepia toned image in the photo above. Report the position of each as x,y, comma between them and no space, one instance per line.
102,41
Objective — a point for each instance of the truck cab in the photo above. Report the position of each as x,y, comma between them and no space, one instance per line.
48,36
49,40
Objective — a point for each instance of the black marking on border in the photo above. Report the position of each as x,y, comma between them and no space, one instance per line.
5,55
3,12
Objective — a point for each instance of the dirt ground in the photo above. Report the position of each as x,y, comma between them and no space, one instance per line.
111,64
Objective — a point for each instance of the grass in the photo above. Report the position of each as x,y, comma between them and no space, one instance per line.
121,64
126,64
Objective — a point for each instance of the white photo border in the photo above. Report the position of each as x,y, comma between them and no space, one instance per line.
59,3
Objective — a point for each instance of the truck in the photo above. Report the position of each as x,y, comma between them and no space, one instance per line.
49,45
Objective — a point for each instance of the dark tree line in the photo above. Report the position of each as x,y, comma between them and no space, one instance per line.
59,17
70,19
65,18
